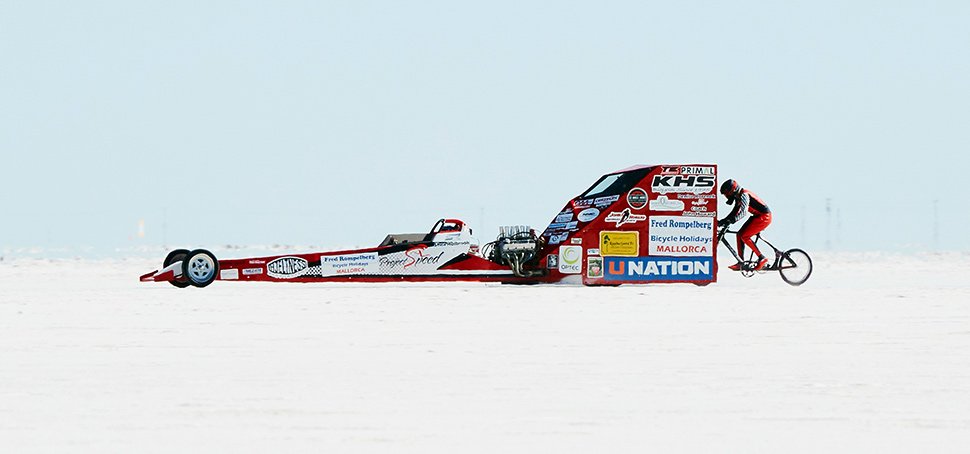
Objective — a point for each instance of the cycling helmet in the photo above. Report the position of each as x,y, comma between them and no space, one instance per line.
729,188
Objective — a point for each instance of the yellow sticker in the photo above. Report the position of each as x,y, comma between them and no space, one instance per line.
620,244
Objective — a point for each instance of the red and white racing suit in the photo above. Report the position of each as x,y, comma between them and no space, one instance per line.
746,200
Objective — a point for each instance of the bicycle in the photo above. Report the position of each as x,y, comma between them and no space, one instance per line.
794,265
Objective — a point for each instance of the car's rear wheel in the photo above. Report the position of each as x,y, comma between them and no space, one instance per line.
200,267
177,256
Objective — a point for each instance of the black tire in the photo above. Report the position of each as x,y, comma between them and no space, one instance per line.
177,255
795,266
200,267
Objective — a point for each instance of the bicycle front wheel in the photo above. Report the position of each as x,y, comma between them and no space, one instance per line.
795,266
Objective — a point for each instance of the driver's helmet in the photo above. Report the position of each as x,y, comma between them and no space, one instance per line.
730,188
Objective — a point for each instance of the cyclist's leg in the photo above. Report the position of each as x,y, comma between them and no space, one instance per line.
740,240
752,227
740,264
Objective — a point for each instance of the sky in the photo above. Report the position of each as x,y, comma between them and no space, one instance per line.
335,123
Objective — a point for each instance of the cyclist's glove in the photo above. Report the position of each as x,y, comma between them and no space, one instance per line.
723,222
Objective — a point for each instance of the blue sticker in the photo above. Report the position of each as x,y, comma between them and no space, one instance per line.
588,215
659,269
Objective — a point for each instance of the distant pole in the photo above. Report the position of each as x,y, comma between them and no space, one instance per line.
803,225
828,224
936,225
838,227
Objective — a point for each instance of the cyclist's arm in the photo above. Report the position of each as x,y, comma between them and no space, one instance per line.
739,208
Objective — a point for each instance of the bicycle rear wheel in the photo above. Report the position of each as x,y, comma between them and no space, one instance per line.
795,266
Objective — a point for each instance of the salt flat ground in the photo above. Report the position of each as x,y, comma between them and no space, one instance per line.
872,355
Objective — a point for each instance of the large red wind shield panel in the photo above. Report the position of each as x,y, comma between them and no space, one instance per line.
647,224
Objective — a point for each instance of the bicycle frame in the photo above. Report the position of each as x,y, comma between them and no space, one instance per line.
749,262
783,263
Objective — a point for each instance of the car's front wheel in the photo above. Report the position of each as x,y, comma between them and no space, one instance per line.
177,256
200,267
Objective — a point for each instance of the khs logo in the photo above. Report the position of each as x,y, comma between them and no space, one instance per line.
683,183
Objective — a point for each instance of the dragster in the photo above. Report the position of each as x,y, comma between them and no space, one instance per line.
640,225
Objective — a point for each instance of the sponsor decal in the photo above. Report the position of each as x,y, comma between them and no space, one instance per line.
576,241
681,236
563,225
558,238
592,251
452,243
416,259
659,269
687,170
662,203
552,261
570,259
412,257
663,184
599,202
624,217
252,271
603,202
230,274
420,257
697,170
588,215
564,217
700,214
685,196
287,267
257,262
349,264
625,244
637,198
698,207
594,267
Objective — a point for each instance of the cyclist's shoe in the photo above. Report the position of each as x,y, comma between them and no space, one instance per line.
736,266
761,264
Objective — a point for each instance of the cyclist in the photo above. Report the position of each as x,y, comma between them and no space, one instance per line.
745,200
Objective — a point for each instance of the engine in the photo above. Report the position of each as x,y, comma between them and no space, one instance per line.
515,247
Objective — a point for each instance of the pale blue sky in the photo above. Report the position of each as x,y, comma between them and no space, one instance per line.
333,123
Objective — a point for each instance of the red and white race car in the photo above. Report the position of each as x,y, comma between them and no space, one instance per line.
644,224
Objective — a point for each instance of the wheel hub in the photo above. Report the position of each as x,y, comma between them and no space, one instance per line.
200,268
